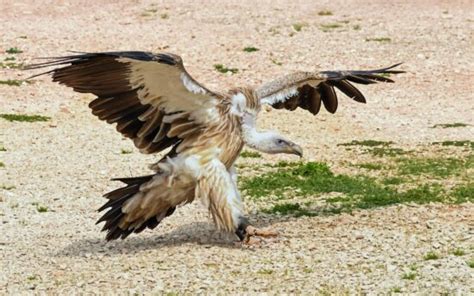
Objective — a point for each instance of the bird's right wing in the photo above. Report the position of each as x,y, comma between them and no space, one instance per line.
151,97
308,89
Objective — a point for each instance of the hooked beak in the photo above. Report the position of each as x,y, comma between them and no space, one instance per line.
296,149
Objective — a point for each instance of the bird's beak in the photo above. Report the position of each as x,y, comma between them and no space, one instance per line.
296,149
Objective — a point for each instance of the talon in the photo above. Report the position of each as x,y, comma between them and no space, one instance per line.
263,232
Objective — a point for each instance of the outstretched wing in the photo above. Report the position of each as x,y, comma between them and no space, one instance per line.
151,97
307,89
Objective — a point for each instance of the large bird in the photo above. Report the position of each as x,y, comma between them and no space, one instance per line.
156,103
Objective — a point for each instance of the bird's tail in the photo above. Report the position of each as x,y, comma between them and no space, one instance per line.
117,224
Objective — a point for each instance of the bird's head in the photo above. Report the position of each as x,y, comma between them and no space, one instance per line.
273,143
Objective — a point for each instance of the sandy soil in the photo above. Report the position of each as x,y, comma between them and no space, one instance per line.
66,164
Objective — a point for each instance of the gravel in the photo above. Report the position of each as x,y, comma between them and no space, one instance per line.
65,164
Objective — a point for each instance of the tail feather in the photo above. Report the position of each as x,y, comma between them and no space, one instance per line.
114,216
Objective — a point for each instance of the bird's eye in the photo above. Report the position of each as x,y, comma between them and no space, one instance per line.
281,142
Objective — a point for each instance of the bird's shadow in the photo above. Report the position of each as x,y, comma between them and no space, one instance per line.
198,233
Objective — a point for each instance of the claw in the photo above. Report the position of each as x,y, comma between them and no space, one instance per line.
263,232
254,236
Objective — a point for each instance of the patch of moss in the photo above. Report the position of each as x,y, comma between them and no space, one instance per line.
24,118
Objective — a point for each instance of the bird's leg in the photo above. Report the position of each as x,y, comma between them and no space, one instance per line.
263,232
250,235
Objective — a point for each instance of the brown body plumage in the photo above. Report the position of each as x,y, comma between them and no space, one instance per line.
158,105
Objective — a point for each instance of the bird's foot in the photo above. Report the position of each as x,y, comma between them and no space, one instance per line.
256,236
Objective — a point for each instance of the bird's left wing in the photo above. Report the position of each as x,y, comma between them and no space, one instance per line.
308,89
151,97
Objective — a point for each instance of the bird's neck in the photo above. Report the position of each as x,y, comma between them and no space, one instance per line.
246,106
257,140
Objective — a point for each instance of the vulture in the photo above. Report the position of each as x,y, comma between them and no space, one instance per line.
156,103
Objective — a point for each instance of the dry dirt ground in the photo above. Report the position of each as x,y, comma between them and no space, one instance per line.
64,165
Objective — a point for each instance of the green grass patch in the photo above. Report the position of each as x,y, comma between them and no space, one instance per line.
294,209
379,39
464,143
7,187
325,12
12,82
356,27
436,167
125,151
409,276
223,69
377,148
431,256
329,27
463,193
386,151
251,49
13,50
2,149
312,178
11,65
370,166
393,181
299,26
470,263
277,63
250,154
24,118
368,143
458,252
396,290
265,271
164,16
2,165
10,59
450,125
42,209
